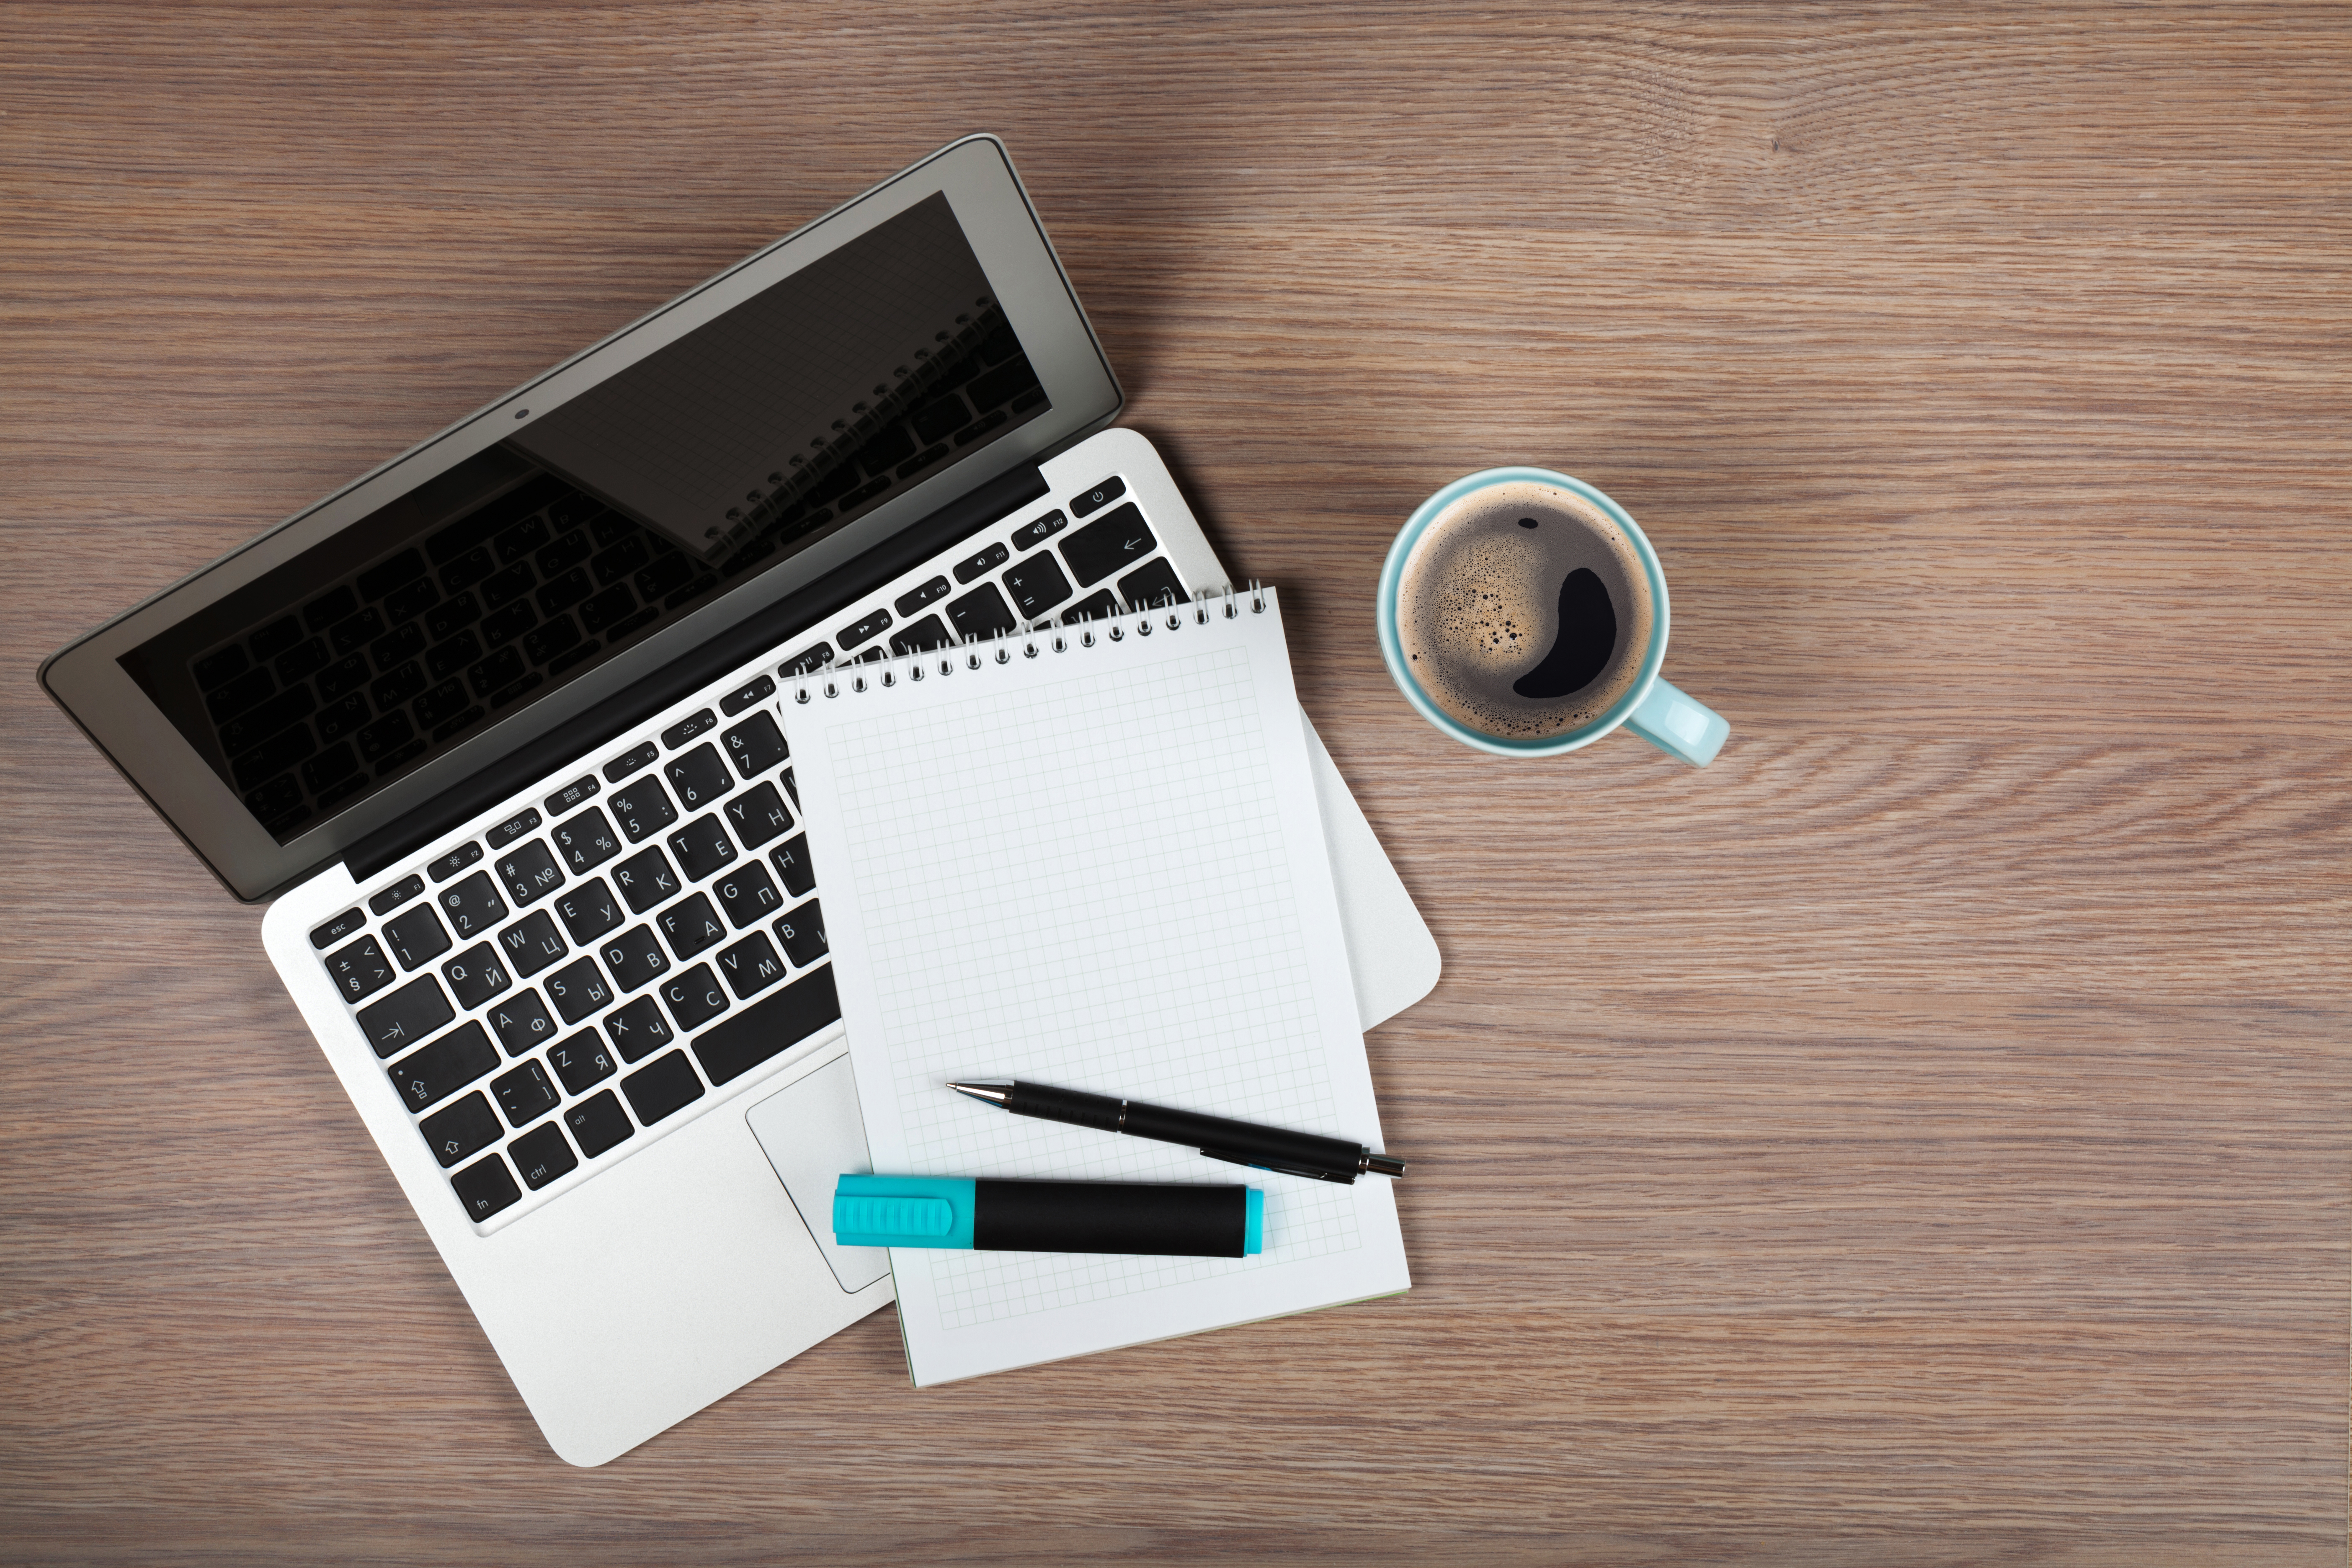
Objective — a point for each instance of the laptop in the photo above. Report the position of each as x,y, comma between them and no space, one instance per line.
497,729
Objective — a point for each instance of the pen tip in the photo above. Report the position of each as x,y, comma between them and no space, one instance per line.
993,1093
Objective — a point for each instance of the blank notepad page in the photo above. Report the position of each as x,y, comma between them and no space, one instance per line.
1099,866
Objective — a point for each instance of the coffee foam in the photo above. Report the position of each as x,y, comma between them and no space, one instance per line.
1479,600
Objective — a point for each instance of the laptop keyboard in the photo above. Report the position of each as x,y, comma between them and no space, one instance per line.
629,943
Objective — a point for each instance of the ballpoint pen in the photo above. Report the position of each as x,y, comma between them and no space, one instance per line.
1237,1143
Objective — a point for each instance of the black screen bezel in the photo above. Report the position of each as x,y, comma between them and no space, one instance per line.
87,679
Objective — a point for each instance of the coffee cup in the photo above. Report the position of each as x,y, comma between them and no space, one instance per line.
1524,612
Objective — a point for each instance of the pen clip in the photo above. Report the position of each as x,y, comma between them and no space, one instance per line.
1345,1178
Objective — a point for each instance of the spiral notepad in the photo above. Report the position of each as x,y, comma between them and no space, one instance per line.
1091,857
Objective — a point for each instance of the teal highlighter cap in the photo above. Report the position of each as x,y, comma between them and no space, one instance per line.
903,1211
1253,1229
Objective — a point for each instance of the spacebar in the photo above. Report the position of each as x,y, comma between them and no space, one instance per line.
776,1023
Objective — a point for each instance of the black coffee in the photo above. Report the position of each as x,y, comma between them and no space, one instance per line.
1524,611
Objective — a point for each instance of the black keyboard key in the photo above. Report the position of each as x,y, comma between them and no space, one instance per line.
914,599
530,945
521,1022
921,637
699,777
750,967
865,630
467,569
809,663
405,1017
567,551
415,937
691,926
687,729
542,1156
512,828
644,880
758,815
598,1124
759,690
801,931
582,1059
213,669
661,1088
702,847
694,997
606,608
749,896
629,762
384,577
501,669
982,612
407,604
586,841
455,861
638,1030
1101,496
642,808
1036,585
1112,543
340,718
753,746
1029,535
346,675
432,1075
275,638
484,1188
1100,606
473,905
769,1028
447,620
476,975
589,910
529,874
542,645
341,926
511,583
521,539
979,565
452,657
578,990
634,957
791,863
351,636
461,1130
525,1094
785,778
500,628
328,608
398,645
578,792
1153,587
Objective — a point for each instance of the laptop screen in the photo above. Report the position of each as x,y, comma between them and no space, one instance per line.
656,492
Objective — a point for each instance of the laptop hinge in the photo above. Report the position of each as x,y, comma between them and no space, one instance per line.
635,703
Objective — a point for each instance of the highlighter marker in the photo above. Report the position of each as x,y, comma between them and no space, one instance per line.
989,1215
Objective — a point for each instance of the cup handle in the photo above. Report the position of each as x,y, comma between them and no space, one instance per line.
1679,725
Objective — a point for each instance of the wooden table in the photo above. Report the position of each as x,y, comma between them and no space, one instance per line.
1919,1137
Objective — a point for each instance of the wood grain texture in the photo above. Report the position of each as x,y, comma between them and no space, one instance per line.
1919,1137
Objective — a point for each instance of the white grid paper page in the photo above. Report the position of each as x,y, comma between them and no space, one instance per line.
1101,868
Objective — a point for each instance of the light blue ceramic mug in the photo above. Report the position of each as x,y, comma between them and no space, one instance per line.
1651,707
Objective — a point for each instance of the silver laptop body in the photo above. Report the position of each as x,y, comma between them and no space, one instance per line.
497,727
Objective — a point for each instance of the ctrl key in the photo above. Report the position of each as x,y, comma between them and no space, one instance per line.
543,1156
485,1188
598,1123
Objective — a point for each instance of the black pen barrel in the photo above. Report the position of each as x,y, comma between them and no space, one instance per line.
1267,1145
1070,1105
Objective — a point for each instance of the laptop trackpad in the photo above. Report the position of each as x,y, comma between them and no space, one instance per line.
812,1135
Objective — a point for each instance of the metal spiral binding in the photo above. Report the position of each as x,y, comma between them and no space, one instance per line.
973,653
